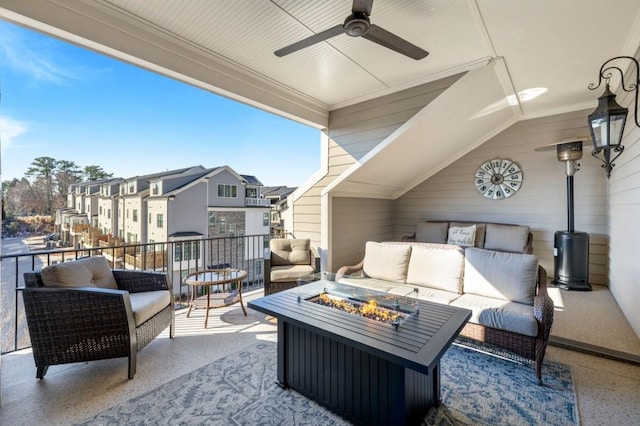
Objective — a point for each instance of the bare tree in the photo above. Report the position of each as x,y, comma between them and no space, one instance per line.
22,198
48,186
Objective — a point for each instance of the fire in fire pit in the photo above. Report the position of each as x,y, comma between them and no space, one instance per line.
368,309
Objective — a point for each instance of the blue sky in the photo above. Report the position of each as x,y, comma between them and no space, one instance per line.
69,103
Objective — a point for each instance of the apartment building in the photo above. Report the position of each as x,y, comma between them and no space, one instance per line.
216,203
107,207
281,214
180,206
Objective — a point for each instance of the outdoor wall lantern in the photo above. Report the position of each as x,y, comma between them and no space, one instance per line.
607,122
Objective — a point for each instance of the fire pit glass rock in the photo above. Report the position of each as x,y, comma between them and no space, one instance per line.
387,308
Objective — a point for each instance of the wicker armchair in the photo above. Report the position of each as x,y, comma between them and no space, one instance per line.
77,324
289,260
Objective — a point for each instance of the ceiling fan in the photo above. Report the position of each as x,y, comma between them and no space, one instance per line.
358,25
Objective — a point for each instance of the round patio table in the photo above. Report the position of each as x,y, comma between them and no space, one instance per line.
213,277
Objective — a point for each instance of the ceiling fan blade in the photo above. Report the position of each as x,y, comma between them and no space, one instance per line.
389,40
362,6
316,38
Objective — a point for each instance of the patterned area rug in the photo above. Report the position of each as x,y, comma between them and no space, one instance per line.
240,389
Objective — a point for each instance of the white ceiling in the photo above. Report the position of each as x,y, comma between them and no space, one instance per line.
550,48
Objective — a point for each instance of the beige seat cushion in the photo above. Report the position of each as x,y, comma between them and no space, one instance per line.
146,304
500,275
292,251
511,238
289,273
500,314
426,293
87,272
370,283
386,261
438,266
432,232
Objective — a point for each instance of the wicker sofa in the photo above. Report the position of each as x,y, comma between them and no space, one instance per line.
82,311
506,292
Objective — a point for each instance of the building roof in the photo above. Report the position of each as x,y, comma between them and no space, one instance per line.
252,180
185,234
165,173
277,191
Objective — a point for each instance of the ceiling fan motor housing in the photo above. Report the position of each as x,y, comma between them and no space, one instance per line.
357,24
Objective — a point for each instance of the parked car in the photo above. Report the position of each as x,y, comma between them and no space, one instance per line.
52,237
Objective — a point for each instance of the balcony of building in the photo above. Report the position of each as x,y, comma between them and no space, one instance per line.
256,202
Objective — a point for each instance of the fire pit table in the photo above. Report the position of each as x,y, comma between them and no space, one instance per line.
368,371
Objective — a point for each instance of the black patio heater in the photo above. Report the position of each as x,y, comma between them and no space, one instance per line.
570,247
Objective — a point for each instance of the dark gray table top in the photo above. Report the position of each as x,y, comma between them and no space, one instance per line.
417,344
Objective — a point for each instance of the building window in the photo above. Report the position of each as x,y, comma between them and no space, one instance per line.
212,218
100,209
155,189
223,225
122,190
187,251
149,218
135,215
251,193
160,220
265,242
108,213
258,267
132,188
127,211
265,219
227,191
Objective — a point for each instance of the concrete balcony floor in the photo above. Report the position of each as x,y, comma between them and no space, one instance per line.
608,391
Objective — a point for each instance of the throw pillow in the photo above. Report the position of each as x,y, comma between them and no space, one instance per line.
465,237
481,229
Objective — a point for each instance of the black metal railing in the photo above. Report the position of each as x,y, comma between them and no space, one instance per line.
177,258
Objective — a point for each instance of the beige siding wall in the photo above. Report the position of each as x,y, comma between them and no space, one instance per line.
356,221
353,131
541,203
624,211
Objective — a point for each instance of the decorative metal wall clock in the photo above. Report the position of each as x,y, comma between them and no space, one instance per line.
498,178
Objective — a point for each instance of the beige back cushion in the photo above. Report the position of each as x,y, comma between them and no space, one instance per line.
386,261
285,251
506,237
432,232
438,266
480,231
88,272
500,275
